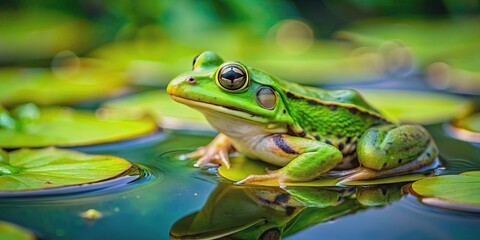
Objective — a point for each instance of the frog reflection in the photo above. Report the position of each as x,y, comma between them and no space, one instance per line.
240,212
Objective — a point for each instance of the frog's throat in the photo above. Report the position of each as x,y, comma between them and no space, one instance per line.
233,111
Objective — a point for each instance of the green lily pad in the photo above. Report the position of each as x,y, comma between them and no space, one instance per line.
168,113
14,232
242,167
44,87
467,128
27,169
416,106
61,126
458,192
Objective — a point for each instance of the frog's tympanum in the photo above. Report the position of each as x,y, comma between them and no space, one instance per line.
306,131
241,212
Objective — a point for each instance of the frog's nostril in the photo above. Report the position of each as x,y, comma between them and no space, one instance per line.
191,80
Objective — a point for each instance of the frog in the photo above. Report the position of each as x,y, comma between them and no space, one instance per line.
307,132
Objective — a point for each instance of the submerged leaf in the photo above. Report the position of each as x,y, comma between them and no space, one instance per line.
242,167
59,126
53,168
12,231
458,192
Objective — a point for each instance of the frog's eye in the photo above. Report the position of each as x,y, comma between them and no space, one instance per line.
266,98
232,77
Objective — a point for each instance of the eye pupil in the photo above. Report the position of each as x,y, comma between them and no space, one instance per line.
232,77
266,98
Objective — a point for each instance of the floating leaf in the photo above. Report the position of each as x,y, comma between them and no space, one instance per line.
169,113
458,192
59,126
28,169
242,167
44,87
467,128
415,106
14,232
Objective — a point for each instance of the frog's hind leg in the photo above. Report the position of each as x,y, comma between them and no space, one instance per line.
309,159
393,150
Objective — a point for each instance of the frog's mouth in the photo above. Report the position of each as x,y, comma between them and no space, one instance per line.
230,110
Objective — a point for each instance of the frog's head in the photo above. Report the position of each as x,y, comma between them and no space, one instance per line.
230,88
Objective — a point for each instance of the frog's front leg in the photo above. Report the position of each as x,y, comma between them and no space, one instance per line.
392,150
216,152
305,159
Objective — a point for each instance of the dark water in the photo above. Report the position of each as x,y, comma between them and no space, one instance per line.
172,190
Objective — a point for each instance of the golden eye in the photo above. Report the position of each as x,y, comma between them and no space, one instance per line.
232,77
266,98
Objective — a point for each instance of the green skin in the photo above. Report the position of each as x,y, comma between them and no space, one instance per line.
308,132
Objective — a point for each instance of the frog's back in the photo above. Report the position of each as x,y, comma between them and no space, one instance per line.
341,97
334,116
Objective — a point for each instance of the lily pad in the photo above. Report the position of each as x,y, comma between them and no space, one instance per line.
168,113
416,106
467,128
14,232
457,192
45,87
61,126
27,169
242,167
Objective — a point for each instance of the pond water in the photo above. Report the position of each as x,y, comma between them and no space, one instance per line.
171,190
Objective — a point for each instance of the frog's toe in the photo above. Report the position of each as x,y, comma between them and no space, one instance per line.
360,173
214,158
259,179
193,155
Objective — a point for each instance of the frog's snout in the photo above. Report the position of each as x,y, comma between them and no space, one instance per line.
171,88
175,84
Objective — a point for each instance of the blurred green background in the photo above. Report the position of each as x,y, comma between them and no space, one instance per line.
417,61
83,53
315,42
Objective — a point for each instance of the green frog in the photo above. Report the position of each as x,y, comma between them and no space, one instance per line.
308,132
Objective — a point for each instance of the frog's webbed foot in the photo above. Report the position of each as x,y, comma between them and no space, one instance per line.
215,153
